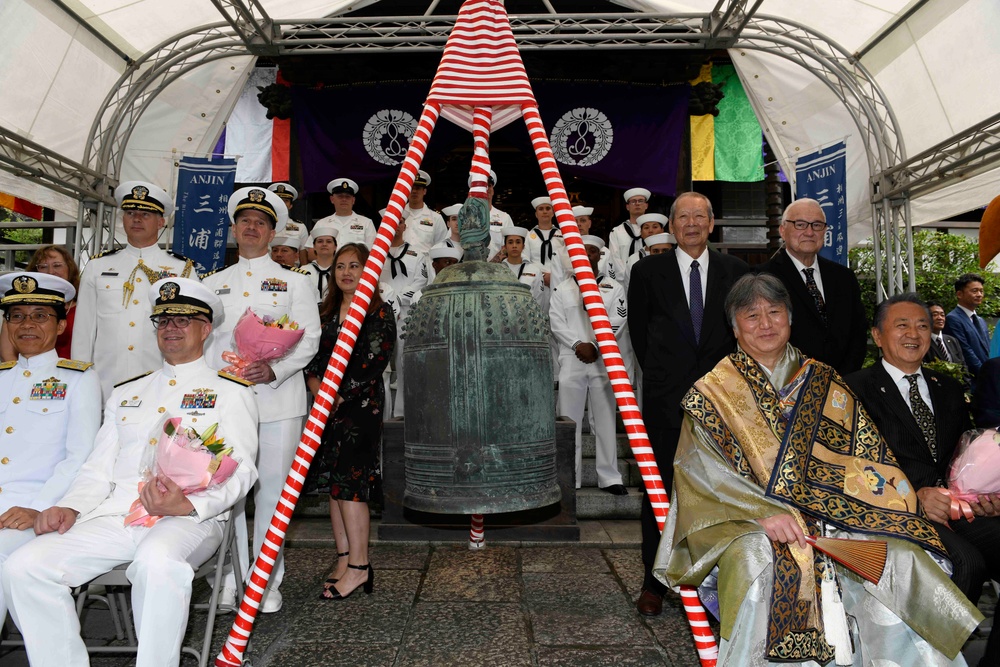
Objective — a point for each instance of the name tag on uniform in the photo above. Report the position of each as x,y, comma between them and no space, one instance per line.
134,402
273,285
49,390
110,273
224,290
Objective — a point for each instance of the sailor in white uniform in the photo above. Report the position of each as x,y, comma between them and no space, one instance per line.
584,222
624,240
257,282
582,370
285,250
440,258
544,245
111,313
324,242
294,228
351,227
649,224
85,534
425,227
498,219
527,273
50,408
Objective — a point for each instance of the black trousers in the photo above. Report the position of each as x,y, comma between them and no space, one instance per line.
663,441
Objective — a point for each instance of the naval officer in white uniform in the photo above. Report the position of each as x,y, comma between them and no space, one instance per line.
351,227
581,367
50,408
111,309
85,535
294,228
425,228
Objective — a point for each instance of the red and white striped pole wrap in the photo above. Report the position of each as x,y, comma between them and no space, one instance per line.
482,120
620,383
231,654
477,531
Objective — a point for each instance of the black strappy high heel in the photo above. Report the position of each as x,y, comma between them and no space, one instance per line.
368,586
330,581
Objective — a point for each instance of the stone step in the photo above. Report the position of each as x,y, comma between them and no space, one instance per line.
592,503
627,467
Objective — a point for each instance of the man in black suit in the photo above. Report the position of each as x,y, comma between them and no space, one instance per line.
829,322
922,414
943,347
679,331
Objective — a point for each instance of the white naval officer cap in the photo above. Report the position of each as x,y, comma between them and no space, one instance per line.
653,217
451,210
590,239
657,239
637,192
183,296
492,178
143,196
446,252
514,230
339,185
423,178
538,201
285,240
580,211
284,190
259,199
30,288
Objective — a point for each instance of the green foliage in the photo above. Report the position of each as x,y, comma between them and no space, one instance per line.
21,257
938,259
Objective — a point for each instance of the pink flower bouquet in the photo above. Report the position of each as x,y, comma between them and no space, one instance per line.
975,467
193,461
260,339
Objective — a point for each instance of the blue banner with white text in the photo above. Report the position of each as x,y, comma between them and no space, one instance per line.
201,223
822,176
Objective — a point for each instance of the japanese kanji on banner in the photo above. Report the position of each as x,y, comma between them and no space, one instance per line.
822,176
202,219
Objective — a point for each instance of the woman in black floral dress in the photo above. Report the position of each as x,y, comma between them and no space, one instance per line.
353,435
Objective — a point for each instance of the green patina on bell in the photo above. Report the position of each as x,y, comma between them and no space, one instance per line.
480,426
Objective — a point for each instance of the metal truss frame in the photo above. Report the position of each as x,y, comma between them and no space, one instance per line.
733,24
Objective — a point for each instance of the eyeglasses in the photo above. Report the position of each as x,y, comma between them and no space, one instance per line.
817,225
633,202
55,266
179,321
37,318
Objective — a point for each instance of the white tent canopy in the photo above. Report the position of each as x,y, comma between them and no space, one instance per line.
931,58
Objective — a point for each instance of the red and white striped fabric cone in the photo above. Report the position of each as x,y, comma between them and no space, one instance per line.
481,67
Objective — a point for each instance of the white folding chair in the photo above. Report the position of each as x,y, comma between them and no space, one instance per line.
118,601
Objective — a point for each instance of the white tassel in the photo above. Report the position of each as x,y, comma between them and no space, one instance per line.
838,634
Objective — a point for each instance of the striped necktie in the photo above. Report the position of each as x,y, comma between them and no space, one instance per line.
923,415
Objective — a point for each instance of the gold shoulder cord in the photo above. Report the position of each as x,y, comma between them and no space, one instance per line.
188,269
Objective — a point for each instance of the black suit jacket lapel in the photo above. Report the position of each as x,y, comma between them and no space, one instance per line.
895,401
797,282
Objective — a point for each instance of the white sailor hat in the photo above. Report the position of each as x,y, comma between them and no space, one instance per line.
590,239
657,239
290,241
338,185
449,211
580,211
259,199
423,178
143,196
538,201
284,190
323,229
492,178
637,192
183,296
29,288
652,217
446,252
514,230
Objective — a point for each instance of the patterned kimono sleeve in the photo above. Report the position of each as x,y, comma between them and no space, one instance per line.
372,352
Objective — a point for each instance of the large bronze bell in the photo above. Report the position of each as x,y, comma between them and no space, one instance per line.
479,434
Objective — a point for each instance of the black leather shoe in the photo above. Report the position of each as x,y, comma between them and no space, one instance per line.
615,490
649,603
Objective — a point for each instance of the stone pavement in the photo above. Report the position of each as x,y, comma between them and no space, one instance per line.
438,605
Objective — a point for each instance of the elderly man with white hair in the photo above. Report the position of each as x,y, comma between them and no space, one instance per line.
581,367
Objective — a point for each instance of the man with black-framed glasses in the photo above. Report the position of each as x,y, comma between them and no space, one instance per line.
829,322
93,527
50,408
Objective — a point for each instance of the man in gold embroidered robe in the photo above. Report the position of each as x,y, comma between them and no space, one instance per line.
775,448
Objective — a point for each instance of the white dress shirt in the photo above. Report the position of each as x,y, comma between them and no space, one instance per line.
903,385
817,276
